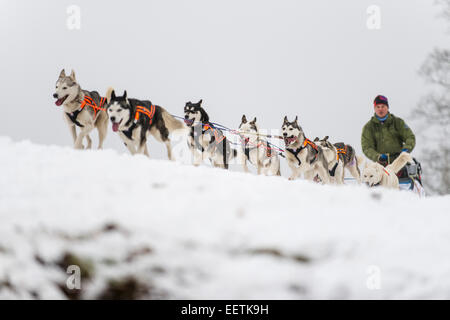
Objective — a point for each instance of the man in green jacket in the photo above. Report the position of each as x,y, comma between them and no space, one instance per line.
385,136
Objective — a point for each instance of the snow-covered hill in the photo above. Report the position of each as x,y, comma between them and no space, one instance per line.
141,228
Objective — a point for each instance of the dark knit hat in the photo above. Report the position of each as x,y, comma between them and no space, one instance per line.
380,100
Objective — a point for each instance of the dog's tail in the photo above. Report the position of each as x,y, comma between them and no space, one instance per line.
359,160
108,94
171,123
400,162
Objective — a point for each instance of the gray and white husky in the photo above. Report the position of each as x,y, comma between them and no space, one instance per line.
204,140
303,155
340,156
135,119
256,150
83,109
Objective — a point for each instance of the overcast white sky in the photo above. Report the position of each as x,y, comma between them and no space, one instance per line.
314,59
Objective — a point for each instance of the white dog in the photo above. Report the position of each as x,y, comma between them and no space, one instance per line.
374,174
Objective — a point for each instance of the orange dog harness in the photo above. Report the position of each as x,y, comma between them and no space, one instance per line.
149,113
342,151
88,101
207,127
312,144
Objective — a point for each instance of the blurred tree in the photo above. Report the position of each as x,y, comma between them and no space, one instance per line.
433,113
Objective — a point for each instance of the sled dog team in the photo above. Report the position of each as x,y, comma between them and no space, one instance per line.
133,120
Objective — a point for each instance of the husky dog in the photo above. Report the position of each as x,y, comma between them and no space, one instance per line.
340,156
134,119
204,140
303,155
256,150
335,160
374,174
82,109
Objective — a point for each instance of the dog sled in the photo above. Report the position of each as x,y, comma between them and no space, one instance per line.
410,178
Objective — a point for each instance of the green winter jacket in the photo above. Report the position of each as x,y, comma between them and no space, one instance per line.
389,137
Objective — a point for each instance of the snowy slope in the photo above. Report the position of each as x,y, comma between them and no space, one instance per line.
202,233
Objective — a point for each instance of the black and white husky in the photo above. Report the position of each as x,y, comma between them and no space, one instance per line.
83,109
256,150
206,141
134,119
340,156
303,155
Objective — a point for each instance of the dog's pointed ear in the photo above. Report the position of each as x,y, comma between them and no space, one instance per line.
200,102
113,95
254,120
296,118
62,74
244,119
285,119
72,75
316,139
125,94
326,138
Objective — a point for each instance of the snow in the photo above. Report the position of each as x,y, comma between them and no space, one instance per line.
203,233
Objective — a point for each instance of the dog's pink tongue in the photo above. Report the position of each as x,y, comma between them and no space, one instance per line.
115,126
59,102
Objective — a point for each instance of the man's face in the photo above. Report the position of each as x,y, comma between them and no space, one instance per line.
381,110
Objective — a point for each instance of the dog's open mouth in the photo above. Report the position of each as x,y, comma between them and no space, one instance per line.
115,125
189,122
60,101
289,140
